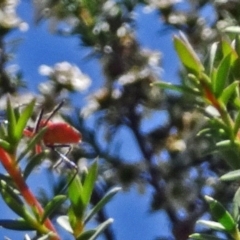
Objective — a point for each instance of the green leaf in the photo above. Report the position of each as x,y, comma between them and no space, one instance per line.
228,92
178,88
23,119
212,225
5,145
53,205
227,49
231,176
12,199
20,225
77,209
11,122
89,183
86,235
236,205
187,56
221,75
201,236
106,198
236,124
237,44
32,143
221,214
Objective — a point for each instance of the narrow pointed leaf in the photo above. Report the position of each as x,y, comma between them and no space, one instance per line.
232,29
187,56
221,76
12,199
221,214
5,145
107,197
231,176
236,205
11,122
19,225
23,119
228,92
86,235
75,193
201,236
177,88
100,229
212,56
227,49
55,203
32,143
89,183
212,225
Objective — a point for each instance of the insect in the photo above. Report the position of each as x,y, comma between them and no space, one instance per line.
57,135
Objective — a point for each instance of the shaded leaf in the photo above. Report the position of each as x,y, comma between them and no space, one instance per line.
100,229
86,235
106,198
20,225
231,176
52,205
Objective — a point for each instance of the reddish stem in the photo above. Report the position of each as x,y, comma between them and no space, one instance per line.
9,164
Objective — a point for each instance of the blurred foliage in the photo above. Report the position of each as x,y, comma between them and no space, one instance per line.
179,162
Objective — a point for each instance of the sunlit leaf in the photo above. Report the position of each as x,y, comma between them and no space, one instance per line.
212,225
89,183
236,205
201,236
177,88
232,29
63,221
23,119
228,92
231,176
187,56
221,76
221,214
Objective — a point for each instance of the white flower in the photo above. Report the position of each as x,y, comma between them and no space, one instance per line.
45,70
67,74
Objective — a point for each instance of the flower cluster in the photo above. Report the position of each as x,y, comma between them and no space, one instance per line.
8,16
65,76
